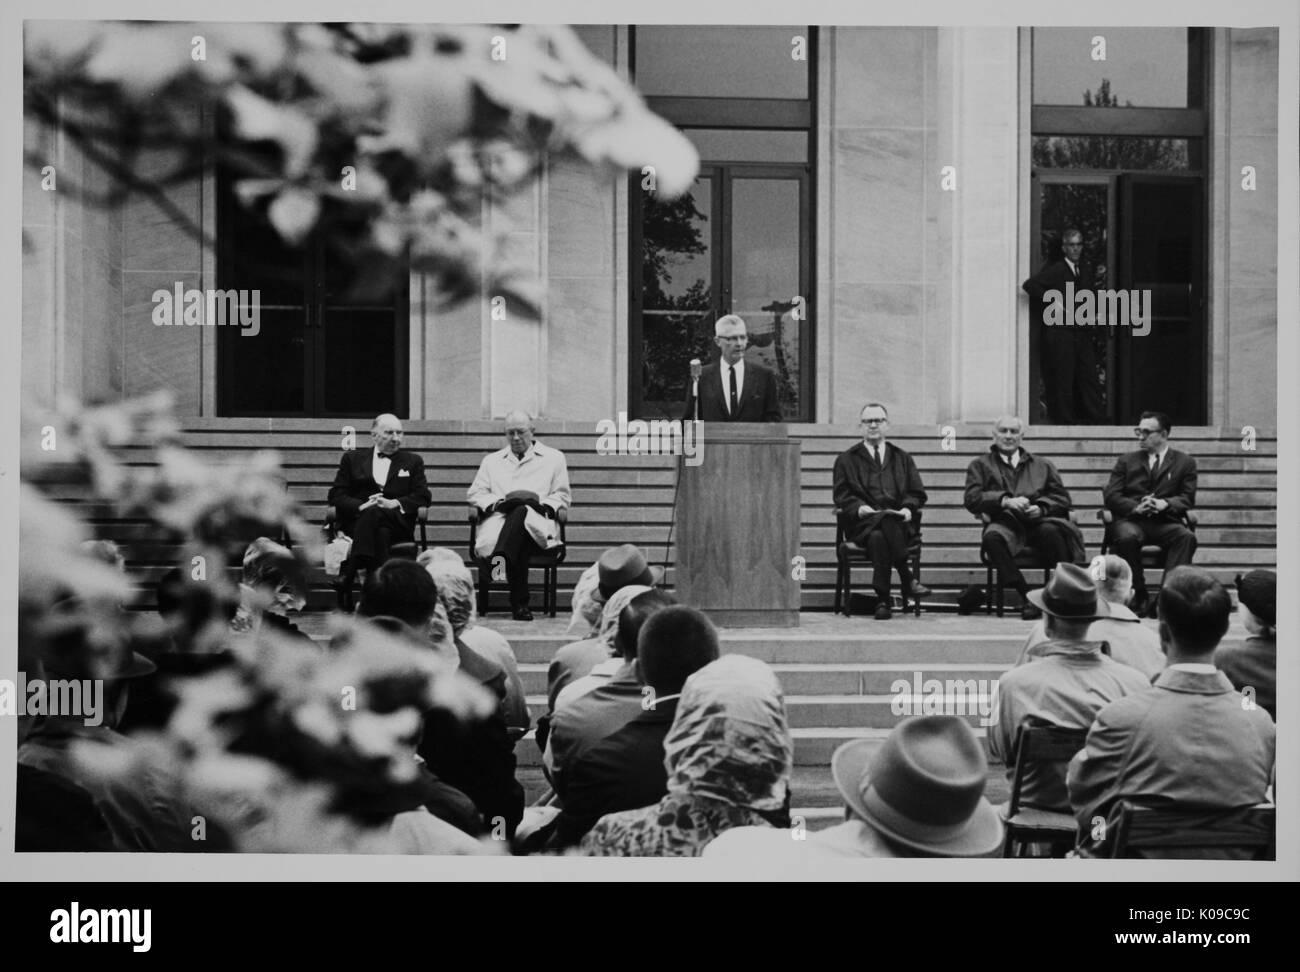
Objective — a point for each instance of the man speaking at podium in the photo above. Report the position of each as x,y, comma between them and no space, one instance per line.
733,390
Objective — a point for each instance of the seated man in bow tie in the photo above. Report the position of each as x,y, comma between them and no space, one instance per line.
1150,492
878,491
524,477
733,390
377,492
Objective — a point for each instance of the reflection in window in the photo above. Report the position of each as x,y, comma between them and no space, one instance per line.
1145,67
748,144
720,62
1115,152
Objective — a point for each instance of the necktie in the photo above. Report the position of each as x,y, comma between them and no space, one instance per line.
732,369
1151,466
875,452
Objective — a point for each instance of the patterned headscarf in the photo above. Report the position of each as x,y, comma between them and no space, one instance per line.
455,586
620,599
587,603
730,740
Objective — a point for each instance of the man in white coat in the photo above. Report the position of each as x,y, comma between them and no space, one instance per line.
519,492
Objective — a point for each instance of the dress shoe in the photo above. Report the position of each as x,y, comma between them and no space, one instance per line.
1030,613
522,614
884,612
918,591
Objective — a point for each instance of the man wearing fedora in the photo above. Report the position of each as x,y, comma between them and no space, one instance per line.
920,793
1188,739
1069,682
618,567
1251,665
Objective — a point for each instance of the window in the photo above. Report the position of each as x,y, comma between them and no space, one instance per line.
740,241
1118,152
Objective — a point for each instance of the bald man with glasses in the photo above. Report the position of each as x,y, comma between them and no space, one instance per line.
1150,493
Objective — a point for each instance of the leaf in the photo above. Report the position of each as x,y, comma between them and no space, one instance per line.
257,119
294,213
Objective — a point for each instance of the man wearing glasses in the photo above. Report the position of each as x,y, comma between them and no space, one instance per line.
878,492
1150,493
733,390
1067,353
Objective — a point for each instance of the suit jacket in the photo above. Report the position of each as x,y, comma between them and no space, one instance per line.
758,398
1248,664
354,483
1130,480
900,487
989,478
1185,741
1054,276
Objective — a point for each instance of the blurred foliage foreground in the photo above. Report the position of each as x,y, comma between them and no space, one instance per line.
285,748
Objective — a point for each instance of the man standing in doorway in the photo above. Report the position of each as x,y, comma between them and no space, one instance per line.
1067,353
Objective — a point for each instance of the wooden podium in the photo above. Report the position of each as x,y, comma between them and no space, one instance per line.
738,526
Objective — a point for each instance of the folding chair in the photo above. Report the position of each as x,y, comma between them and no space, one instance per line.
343,587
1029,825
847,554
1029,558
549,561
1153,558
1188,832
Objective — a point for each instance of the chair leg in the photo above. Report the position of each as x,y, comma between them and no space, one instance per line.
988,589
848,591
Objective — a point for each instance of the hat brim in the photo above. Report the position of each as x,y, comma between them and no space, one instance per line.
650,577
982,835
1102,610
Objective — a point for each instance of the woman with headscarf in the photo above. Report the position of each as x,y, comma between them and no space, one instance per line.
456,595
729,757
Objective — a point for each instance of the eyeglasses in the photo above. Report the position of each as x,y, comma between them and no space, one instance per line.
1143,433
874,421
739,338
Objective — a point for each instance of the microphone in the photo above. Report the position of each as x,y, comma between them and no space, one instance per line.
695,385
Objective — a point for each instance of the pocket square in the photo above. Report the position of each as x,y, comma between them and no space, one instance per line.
403,472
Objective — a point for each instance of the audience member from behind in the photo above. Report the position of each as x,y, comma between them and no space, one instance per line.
477,757
1251,665
456,594
1071,680
617,568
1189,740
1131,642
52,814
144,813
590,715
625,769
274,585
920,793
729,756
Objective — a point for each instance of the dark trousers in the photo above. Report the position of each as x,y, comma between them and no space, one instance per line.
886,544
1073,391
1001,546
516,548
373,534
1128,537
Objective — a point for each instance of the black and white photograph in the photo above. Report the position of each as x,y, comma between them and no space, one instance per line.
802,447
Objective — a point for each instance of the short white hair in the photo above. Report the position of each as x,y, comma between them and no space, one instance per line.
730,320
1114,577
